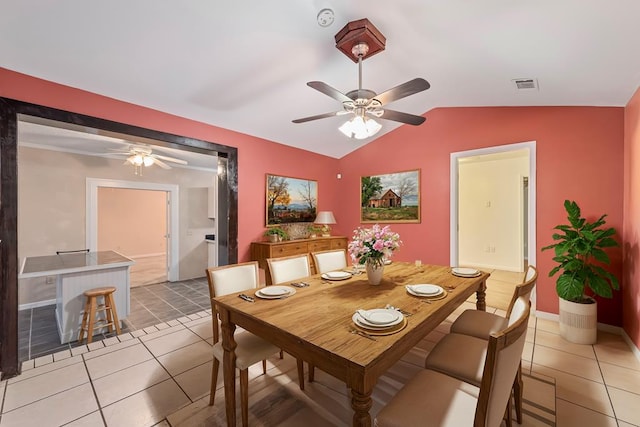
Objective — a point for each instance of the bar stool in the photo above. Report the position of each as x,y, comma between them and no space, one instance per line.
91,308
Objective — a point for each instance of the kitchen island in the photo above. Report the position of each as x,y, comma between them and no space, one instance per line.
76,273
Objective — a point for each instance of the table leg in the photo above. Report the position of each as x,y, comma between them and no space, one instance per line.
481,293
229,365
361,404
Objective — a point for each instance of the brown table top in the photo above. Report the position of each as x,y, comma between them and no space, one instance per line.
314,324
320,315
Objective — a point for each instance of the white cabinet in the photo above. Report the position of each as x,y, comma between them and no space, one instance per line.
212,259
212,202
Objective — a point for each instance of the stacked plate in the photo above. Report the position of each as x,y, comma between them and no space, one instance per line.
465,272
378,319
336,275
425,290
275,292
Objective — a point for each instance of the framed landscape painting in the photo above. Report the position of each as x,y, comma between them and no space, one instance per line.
291,200
393,197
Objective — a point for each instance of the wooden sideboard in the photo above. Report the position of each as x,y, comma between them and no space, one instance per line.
260,251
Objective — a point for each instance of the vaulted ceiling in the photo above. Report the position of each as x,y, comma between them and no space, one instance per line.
244,65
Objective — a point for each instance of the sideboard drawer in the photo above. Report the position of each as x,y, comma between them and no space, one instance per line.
289,249
322,245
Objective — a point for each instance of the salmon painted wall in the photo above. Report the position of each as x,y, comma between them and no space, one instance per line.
579,157
579,154
631,278
256,156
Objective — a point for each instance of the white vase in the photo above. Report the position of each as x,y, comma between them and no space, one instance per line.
374,273
579,322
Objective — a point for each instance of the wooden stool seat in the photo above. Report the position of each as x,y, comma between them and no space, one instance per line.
91,308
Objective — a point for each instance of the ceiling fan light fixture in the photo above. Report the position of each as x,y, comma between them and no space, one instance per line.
137,160
360,127
147,161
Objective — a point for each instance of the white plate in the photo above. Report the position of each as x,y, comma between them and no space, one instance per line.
278,292
358,320
336,275
425,289
423,295
380,317
465,272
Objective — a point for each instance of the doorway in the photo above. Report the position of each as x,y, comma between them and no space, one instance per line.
171,215
524,207
134,223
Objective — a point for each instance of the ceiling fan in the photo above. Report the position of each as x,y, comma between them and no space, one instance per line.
361,103
142,156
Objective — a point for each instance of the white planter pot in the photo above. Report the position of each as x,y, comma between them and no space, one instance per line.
579,322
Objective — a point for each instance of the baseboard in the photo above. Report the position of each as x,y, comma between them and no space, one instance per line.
146,255
601,327
491,266
36,304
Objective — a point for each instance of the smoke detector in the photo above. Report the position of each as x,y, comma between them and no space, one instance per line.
325,17
525,84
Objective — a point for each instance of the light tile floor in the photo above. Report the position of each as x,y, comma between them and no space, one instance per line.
160,375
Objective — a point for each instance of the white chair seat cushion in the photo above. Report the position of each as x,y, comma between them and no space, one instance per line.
431,399
250,350
459,356
478,323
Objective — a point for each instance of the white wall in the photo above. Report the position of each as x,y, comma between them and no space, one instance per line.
51,208
490,210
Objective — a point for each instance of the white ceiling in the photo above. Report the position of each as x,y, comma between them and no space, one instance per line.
243,65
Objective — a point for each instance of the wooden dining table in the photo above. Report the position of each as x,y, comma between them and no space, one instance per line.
315,324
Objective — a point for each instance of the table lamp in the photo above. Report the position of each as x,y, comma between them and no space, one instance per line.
325,218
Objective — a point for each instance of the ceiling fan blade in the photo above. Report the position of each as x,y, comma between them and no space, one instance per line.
328,90
403,90
160,163
319,116
170,159
398,116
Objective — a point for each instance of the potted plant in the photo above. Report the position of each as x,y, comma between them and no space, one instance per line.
579,252
314,231
276,234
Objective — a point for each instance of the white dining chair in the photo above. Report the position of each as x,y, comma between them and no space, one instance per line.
481,324
433,398
331,260
251,349
462,356
287,269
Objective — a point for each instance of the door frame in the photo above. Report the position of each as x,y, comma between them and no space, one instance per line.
172,247
11,111
453,212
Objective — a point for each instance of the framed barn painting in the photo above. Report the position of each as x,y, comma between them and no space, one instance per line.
291,200
393,197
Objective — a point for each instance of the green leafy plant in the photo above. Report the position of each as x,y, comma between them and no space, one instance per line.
276,231
579,252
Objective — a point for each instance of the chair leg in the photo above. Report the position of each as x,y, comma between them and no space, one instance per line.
281,354
244,396
301,373
312,372
264,367
518,388
214,380
107,313
85,316
92,319
507,413
114,314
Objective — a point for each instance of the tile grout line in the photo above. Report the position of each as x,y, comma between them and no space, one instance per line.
606,386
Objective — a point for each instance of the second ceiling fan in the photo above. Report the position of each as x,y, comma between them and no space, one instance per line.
362,39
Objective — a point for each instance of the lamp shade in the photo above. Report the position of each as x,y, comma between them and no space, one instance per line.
325,217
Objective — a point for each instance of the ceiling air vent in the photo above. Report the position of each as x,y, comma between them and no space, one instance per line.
525,84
